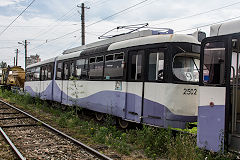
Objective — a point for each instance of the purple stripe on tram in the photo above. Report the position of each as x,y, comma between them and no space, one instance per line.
114,102
211,123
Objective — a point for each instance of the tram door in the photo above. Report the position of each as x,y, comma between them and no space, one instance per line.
134,86
213,90
219,108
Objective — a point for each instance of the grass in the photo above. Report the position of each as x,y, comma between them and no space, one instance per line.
150,142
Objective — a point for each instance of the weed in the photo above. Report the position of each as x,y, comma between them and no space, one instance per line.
155,142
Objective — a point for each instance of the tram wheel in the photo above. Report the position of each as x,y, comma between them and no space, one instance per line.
123,124
99,116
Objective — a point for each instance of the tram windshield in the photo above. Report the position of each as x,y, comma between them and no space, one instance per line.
186,66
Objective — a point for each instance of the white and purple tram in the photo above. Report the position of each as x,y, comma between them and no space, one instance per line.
143,77
219,90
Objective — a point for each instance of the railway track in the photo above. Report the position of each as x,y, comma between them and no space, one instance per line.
30,138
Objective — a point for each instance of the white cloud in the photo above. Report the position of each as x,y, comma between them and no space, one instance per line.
9,2
155,12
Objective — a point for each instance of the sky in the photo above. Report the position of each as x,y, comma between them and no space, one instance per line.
46,23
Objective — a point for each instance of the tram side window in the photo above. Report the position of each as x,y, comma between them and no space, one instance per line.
36,75
72,70
235,66
59,71
214,63
156,66
136,67
49,71
44,73
114,66
82,69
96,67
28,72
66,71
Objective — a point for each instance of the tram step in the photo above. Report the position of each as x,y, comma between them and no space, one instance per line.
235,143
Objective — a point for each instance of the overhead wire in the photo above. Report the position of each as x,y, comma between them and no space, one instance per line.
206,25
51,26
197,14
139,4
54,39
9,47
17,17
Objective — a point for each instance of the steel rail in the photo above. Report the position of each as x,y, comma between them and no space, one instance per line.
12,145
89,149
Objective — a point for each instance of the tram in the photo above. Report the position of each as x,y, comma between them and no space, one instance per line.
219,91
142,77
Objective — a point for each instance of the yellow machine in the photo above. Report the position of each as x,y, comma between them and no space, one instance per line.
13,76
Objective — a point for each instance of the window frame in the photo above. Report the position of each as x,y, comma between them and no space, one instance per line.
63,73
85,65
52,71
186,46
56,77
123,77
156,50
143,62
100,78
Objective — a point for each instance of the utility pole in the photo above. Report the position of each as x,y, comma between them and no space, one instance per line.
16,57
14,61
25,43
83,24
25,46
83,21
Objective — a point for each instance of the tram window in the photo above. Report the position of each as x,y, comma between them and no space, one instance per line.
92,60
28,72
156,66
49,71
66,71
235,66
99,59
214,62
32,74
136,67
114,66
109,57
36,75
82,68
119,56
72,70
43,73
186,67
96,68
59,71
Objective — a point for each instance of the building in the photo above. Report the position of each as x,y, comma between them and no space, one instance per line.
33,59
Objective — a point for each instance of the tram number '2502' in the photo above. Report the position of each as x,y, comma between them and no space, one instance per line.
188,91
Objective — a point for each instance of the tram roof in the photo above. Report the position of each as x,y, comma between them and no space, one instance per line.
41,63
69,56
225,28
164,38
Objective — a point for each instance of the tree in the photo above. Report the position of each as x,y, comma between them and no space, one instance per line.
3,65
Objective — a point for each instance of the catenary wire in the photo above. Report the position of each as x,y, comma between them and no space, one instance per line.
92,23
17,17
197,14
